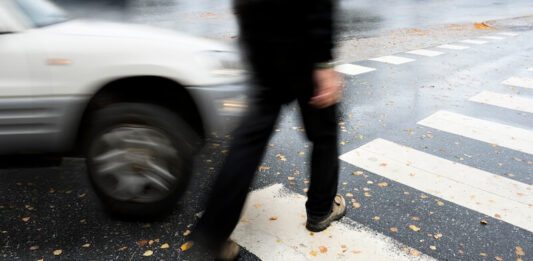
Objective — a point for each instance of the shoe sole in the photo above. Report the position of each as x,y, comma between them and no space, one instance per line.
320,228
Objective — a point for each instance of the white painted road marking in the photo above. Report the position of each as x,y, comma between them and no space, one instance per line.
474,42
453,47
492,37
424,52
393,59
508,101
519,82
477,129
505,199
352,69
508,34
273,228
530,69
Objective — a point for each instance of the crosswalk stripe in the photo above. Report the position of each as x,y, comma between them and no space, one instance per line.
508,34
474,42
505,199
273,228
530,69
424,52
482,130
393,59
352,69
519,82
492,37
508,101
453,47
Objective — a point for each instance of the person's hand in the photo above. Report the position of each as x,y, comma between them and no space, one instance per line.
328,88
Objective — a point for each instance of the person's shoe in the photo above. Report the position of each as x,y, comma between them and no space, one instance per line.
317,224
229,251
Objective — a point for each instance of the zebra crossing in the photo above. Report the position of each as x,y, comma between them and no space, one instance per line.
273,222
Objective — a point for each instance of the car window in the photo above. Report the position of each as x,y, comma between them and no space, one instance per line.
41,12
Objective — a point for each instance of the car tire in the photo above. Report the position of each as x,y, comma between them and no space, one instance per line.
139,158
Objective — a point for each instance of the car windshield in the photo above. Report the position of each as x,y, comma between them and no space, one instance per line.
41,12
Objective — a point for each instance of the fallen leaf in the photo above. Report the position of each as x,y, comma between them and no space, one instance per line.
383,184
483,254
186,233
281,157
142,243
323,249
350,195
164,246
423,196
499,258
482,26
440,203
358,173
394,229
414,228
123,248
519,251
415,218
263,168
186,246
33,248
484,222
151,242
148,253
356,205
86,245
367,194
433,247
291,178
26,219
58,252
273,218
313,253
413,252
376,218
437,236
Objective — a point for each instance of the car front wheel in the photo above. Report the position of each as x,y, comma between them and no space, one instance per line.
139,158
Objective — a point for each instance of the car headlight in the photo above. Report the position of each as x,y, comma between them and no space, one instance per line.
224,63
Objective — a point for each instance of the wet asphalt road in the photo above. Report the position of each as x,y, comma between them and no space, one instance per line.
43,209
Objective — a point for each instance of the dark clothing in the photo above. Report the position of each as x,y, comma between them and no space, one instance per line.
283,41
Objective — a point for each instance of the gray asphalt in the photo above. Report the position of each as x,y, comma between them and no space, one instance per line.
387,103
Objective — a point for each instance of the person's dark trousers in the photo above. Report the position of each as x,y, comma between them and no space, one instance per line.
231,187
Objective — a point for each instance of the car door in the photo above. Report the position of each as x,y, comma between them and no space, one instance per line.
24,122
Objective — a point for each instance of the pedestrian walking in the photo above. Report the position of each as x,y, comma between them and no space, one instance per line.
289,48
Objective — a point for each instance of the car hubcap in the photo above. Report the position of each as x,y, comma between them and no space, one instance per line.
135,163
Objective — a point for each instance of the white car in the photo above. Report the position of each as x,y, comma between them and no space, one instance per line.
136,101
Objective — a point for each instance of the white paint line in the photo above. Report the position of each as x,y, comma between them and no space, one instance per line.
492,37
496,196
286,237
352,69
424,52
519,82
530,69
474,42
393,59
486,131
508,34
508,101
453,47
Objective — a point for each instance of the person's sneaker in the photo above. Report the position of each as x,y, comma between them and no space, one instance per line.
317,224
229,251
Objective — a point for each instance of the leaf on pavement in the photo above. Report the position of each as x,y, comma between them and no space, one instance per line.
414,228
291,178
142,243
383,184
58,252
349,195
437,236
483,222
433,247
148,253
26,219
186,233
186,246
86,245
33,248
519,251
273,218
323,249
281,157
440,203
263,168
358,173
164,246
313,253
356,205
376,218
394,229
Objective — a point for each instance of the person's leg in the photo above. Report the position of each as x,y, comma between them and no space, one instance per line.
232,184
322,130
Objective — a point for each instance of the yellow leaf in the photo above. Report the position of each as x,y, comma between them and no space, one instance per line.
383,184
186,246
164,246
86,245
483,254
356,205
414,228
186,233
358,173
313,253
519,251
323,249
437,236
440,203
58,252
394,229
376,218
148,253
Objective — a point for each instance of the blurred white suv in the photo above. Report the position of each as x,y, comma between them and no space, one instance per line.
136,101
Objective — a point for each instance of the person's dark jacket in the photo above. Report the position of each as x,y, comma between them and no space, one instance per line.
285,39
